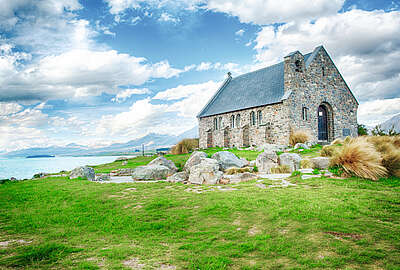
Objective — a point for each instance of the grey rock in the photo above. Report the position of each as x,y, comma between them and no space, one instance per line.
252,163
121,159
239,177
290,159
301,145
266,160
228,160
102,177
320,162
122,172
153,172
194,159
206,172
245,161
178,177
163,162
270,147
84,172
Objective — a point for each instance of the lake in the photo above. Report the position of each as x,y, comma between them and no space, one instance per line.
22,168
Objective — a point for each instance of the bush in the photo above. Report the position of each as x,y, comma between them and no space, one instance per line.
362,130
298,136
329,150
360,158
306,164
281,169
185,146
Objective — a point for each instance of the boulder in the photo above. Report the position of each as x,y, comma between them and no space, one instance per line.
266,160
163,162
320,162
301,145
237,178
178,177
270,147
84,172
153,172
122,172
102,177
206,172
292,160
194,159
252,163
121,159
245,161
228,160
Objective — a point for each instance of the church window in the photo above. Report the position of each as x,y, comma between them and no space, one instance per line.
259,117
232,121
323,71
305,113
220,123
252,118
238,121
215,123
298,66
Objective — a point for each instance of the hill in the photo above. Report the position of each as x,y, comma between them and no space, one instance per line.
392,122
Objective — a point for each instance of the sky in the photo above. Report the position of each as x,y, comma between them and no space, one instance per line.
96,72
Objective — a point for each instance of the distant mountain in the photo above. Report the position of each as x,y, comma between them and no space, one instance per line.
150,141
394,121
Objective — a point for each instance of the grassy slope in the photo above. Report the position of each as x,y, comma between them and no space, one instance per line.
321,223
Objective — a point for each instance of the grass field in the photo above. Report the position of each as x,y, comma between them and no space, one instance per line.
55,223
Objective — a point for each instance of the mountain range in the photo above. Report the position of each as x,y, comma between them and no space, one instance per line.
150,141
392,122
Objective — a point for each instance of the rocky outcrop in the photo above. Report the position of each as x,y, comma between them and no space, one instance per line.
291,160
83,172
178,177
163,162
320,162
206,172
228,160
266,160
153,172
194,159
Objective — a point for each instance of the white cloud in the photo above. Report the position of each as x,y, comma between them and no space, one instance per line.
165,17
127,93
239,32
271,11
9,108
184,91
204,66
378,111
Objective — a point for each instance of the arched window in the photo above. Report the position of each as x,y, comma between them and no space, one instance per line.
232,121
238,121
220,123
252,119
305,113
323,71
259,117
215,123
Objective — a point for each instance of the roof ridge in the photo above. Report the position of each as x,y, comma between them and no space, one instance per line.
257,70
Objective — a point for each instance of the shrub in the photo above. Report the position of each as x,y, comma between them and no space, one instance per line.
255,168
362,130
359,157
298,136
329,150
281,169
185,146
306,164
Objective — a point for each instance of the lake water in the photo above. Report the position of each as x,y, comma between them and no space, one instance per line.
22,168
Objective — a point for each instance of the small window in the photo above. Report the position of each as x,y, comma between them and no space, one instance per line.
253,118
259,117
298,66
305,113
220,123
232,121
323,71
238,121
215,123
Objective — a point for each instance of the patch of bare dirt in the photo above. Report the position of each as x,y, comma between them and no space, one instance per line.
341,235
253,231
134,264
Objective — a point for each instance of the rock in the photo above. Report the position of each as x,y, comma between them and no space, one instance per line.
122,172
124,163
40,175
252,163
247,163
84,172
194,159
121,159
270,147
206,172
266,160
237,178
178,177
290,159
102,177
163,162
228,160
320,162
153,172
301,145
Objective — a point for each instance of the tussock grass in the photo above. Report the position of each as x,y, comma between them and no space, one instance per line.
281,169
389,148
329,150
359,157
185,146
231,171
337,141
298,136
306,164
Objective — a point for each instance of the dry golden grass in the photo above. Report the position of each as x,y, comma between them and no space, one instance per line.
231,171
391,161
329,150
281,169
389,147
359,157
348,140
306,164
337,141
298,136
185,146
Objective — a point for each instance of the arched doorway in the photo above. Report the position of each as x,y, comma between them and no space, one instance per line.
226,137
325,123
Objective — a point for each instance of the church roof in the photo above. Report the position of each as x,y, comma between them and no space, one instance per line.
261,87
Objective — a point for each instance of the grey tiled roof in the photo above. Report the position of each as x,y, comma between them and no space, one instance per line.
257,88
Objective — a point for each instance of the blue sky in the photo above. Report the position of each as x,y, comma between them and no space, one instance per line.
99,72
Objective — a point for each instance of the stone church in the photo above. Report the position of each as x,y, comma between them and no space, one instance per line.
304,92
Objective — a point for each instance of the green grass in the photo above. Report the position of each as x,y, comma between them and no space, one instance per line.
320,223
